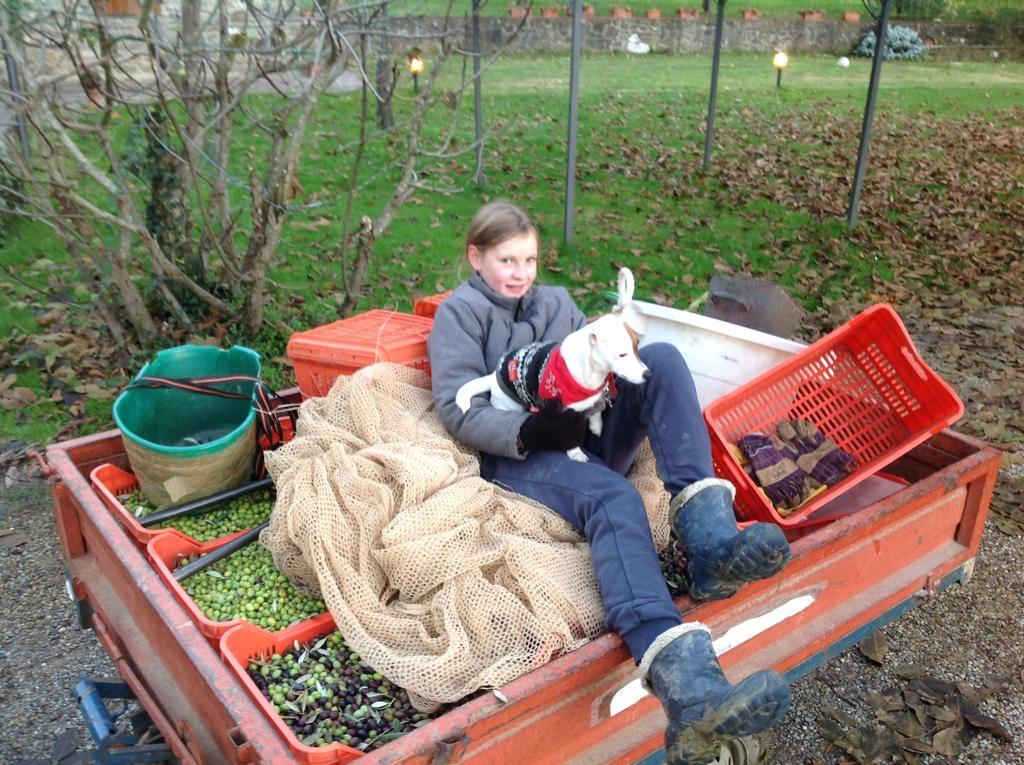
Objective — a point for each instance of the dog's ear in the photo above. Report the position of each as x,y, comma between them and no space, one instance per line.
593,338
633,319
626,286
625,307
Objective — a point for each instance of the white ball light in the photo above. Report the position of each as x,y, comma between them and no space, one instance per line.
844,62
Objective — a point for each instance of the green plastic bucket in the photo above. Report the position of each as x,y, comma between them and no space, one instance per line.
184,445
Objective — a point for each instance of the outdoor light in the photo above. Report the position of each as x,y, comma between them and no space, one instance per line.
414,61
780,61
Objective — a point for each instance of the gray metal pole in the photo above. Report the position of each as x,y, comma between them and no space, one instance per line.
478,107
574,101
869,114
709,138
10,22
17,97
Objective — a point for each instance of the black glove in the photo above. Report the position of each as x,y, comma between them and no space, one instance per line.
557,432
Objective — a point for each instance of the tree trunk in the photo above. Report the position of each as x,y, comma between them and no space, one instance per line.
167,210
268,220
365,243
119,282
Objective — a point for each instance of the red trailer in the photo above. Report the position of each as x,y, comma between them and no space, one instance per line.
846,579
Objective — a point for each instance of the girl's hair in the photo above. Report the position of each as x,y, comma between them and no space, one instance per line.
496,222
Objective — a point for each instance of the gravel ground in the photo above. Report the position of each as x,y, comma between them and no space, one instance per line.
42,651
970,633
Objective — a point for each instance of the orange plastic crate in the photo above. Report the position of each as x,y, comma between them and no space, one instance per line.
323,354
110,482
245,642
165,552
864,385
427,306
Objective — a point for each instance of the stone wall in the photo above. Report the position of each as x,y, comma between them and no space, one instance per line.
670,35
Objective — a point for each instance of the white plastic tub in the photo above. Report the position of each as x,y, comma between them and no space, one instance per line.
721,356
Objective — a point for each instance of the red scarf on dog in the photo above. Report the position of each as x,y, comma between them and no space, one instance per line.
557,384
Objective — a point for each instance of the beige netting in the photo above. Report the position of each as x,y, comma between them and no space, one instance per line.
437,578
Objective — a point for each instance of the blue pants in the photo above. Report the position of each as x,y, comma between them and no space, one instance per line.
596,498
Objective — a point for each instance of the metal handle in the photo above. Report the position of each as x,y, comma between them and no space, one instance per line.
220,553
205,504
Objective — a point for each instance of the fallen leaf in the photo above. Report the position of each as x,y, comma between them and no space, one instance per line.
874,647
904,722
946,742
51,317
916,745
984,722
96,392
942,713
1008,526
883,701
20,396
840,717
908,671
315,225
12,540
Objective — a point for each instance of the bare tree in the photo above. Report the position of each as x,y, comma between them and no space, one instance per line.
161,219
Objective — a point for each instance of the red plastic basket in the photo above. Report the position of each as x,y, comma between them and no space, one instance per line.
321,355
110,482
427,306
245,642
864,385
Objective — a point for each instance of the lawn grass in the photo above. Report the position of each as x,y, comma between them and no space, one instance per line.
641,198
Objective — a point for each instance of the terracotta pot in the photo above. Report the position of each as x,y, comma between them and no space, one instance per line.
620,12
851,16
518,11
749,14
550,13
123,7
812,15
652,13
691,14
588,11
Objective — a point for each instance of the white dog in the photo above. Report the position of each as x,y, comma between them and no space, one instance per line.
576,373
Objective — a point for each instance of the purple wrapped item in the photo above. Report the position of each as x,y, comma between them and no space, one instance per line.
785,483
817,455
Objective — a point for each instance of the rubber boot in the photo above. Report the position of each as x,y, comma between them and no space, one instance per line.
720,558
704,710
746,750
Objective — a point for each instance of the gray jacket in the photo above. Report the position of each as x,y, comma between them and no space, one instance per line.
472,330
